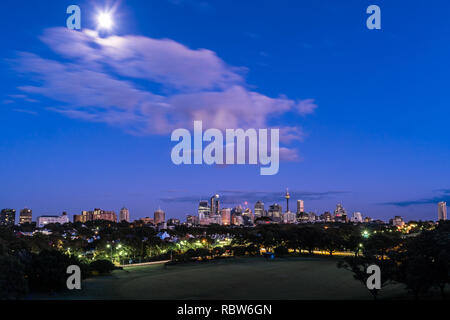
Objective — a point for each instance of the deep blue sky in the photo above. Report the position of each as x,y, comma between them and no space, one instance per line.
378,140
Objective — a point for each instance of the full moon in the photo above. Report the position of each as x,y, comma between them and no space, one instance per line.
105,21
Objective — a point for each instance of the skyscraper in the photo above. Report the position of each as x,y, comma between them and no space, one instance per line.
300,206
160,217
248,216
442,210
215,205
259,209
275,212
340,211
124,215
203,210
225,214
7,217
25,216
357,217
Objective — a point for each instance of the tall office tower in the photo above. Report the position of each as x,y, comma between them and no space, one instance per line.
259,209
300,206
7,217
124,215
275,212
357,217
287,196
203,210
442,210
215,205
237,211
248,217
160,217
340,211
25,216
225,214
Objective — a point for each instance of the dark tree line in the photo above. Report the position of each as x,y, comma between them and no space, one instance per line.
420,262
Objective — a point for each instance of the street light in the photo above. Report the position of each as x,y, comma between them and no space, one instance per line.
109,246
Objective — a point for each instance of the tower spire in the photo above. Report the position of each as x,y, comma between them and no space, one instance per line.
287,196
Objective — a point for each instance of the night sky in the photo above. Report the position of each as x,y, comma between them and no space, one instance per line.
86,118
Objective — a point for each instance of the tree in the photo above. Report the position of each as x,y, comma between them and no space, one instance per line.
381,243
423,262
13,284
48,270
310,237
359,265
102,266
281,251
331,240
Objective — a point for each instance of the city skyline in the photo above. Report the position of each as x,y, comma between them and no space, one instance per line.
213,207
90,128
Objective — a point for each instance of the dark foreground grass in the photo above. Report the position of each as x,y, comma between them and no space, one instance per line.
235,278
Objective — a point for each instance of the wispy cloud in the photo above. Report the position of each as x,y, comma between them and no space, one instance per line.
443,196
234,197
22,97
34,113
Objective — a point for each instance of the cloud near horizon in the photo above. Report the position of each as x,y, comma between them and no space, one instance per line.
236,197
444,196
150,86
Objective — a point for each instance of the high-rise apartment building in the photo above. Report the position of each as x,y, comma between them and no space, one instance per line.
300,206
442,210
225,214
25,216
96,214
8,217
203,210
159,217
248,217
215,205
340,211
274,212
357,217
259,209
124,215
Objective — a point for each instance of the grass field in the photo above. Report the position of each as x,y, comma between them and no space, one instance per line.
240,278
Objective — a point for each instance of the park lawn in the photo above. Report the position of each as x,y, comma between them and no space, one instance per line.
236,278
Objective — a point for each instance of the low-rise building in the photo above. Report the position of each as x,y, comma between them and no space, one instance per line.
42,221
